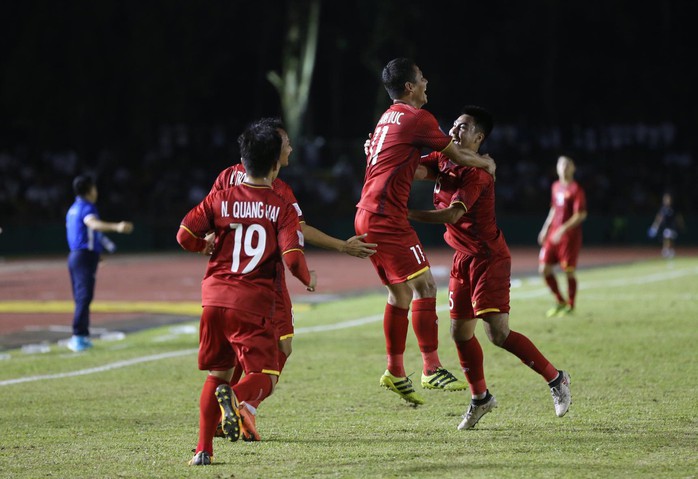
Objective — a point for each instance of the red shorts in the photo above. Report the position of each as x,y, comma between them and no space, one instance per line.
226,334
565,252
479,285
399,256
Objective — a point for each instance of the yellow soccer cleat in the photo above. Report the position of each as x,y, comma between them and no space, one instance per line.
402,386
443,380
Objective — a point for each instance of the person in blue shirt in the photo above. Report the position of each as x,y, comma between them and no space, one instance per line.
86,242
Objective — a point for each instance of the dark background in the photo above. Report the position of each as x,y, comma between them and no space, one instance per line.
150,97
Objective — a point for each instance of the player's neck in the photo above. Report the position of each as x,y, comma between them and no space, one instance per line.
257,181
406,101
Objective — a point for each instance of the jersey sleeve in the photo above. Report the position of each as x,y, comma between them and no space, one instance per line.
429,134
283,189
473,182
196,224
580,200
291,244
431,162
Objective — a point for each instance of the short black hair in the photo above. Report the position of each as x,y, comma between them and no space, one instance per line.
396,73
260,147
483,118
82,185
272,121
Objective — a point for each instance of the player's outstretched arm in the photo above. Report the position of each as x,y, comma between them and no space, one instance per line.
354,246
465,157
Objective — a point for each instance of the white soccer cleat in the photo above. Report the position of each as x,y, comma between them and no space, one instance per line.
562,398
475,412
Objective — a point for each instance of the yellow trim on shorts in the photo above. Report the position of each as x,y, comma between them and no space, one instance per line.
294,249
271,371
414,275
286,336
488,310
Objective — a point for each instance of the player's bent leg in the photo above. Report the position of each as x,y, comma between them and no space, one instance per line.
248,423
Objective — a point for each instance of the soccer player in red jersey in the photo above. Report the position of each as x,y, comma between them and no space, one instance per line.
254,227
561,235
283,314
393,155
481,272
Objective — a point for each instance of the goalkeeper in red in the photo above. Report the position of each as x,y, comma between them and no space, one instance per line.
254,227
481,271
393,155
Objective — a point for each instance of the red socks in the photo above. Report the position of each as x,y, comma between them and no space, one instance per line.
552,284
395,324
426,327
522,347
470,355
571,289
209,414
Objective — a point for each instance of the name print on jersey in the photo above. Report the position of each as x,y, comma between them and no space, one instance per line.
250,209
391,117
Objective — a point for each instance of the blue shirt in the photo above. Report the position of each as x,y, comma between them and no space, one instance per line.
80,237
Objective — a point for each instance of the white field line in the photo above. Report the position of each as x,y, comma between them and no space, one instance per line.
611,283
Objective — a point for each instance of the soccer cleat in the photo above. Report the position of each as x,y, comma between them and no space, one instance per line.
219,431
552,312
402,386
444,380
568,310
476,411
562,398
229,408
79,343
201,458
248,427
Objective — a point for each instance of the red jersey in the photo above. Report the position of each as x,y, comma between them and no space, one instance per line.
567,199
254,226
235,175
394,154
476,233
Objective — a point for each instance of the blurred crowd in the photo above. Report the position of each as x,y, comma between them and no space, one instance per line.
624,168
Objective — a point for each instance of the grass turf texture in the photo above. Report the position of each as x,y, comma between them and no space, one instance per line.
630,349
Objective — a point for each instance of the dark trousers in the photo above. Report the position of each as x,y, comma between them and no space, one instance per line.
82,265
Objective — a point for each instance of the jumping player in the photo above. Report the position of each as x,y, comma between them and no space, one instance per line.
464,198
393,156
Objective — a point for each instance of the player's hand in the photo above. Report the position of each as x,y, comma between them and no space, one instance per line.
557,236
313,282
652,232
356,246
125,227
210,242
